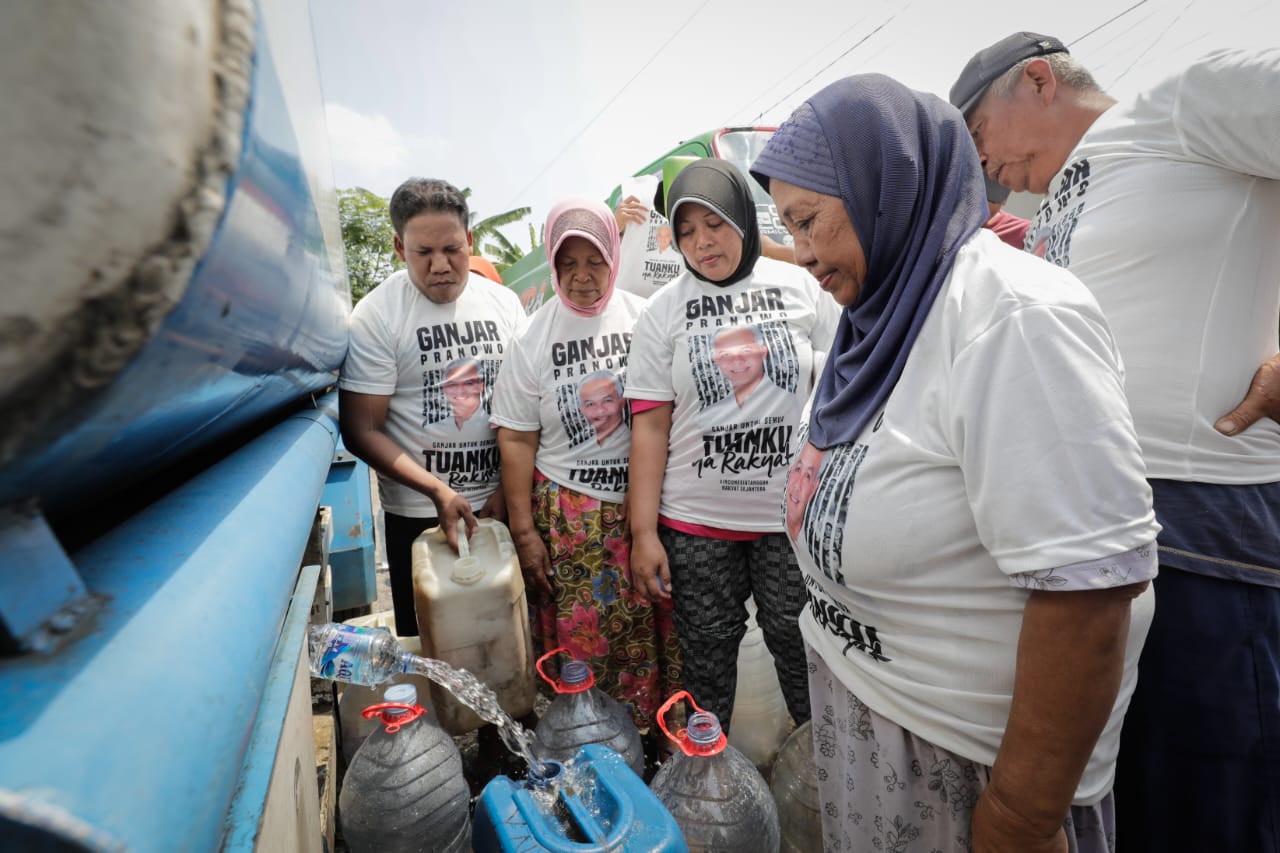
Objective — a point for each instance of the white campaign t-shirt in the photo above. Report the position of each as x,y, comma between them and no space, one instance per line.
727,457
1169,211
1004,448
438,364
564,376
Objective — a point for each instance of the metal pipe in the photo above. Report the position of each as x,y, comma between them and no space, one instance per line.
139,726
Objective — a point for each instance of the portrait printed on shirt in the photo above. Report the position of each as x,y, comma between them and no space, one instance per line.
594,409
816,506
1059,213
816,500
461,447
744,371
815,509
596,418
746,378
454,396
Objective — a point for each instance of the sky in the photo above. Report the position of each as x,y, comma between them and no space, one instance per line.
530,101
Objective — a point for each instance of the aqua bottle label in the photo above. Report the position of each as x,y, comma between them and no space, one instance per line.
347,657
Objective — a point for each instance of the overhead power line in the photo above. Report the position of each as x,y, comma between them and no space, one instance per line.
608,104
1102,53
1154,42
817,73
742,109
1107,22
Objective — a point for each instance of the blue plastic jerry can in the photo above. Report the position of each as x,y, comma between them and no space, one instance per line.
594,803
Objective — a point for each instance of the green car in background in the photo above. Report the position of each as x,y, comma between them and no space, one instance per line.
530,277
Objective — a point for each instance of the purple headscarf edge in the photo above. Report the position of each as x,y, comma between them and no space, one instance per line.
908,173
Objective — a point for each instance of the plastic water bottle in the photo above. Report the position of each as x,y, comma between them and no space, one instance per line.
404,791
364,656
354,698
715,793
581,714
794,784
355,655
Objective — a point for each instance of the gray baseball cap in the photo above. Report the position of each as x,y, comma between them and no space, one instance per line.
989,63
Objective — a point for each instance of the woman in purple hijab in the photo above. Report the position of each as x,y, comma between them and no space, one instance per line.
970,510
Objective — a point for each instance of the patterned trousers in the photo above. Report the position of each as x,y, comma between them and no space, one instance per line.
882,788
711,580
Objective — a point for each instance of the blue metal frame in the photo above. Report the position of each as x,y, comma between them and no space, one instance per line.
31,606
351,553
140,725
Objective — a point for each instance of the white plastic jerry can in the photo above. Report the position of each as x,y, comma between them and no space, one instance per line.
472,615
760,719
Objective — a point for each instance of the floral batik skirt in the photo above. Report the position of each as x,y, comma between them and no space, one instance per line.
598,613
884,790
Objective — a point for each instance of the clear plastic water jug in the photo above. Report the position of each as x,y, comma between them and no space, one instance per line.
591,804
760,718
354,698
794,783
581,714
714,792
404,791
472,615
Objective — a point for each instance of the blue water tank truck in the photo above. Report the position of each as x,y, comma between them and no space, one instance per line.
174,497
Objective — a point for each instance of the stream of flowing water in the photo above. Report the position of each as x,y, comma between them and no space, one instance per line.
369,656
468,690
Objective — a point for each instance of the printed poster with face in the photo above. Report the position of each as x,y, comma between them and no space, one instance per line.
648,257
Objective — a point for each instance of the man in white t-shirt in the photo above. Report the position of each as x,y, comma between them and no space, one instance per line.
1167,206
426,345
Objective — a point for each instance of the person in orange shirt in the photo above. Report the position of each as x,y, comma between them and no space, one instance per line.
485,267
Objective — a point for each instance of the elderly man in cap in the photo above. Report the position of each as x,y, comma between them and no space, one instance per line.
1167,206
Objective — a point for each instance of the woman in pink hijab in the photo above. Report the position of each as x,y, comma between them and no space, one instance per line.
564,436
